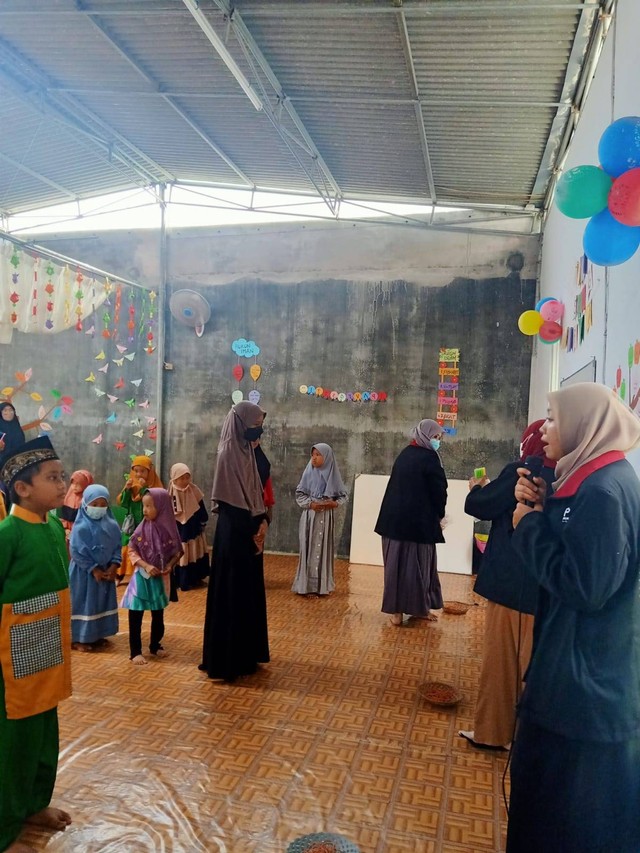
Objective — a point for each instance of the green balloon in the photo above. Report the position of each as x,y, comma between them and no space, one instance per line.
582,192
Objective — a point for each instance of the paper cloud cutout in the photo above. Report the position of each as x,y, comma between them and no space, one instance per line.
245,348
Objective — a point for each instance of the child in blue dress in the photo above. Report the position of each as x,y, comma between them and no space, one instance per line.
96,553
154,549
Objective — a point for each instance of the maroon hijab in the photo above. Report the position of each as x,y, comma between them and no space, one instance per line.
158,540
532,445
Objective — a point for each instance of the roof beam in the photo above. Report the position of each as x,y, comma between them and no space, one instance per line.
422,131
42,178
319,173
32,88
204,136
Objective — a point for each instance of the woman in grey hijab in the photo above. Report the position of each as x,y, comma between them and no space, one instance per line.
410,525
235,630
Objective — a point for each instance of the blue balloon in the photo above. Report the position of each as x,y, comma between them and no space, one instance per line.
608,242
619,146
541,302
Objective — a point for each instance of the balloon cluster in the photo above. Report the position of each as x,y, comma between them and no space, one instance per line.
545,320
609,194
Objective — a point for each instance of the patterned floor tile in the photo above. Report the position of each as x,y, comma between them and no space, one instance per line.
333,735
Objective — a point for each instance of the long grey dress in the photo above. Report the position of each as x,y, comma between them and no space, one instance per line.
315,566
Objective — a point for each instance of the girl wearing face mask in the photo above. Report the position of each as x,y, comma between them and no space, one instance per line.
319,492
95,559
409,522
235,630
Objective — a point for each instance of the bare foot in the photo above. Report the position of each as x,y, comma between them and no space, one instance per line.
138,660
102,644
396,619
82,647
160,654
51,818
430,617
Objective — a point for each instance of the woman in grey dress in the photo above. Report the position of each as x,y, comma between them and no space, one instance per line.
319,492
410,525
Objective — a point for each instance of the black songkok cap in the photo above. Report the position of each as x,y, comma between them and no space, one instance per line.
30,453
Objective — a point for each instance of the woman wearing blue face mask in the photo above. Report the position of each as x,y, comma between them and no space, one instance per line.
410,525
96,553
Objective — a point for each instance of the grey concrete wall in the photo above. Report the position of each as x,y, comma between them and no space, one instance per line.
346,307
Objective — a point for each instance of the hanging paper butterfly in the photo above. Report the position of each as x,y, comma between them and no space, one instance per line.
139,433
130,356
104,369
121,348
97,439
99,393
91,377
118,361
101,356
112,418
112,398
136,382
119,383
144,404
131,403
119,445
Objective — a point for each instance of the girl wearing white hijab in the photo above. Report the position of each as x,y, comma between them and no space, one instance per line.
319,492
575,771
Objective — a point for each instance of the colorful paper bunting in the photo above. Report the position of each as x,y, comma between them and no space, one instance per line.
131,403
101,356
91,377
97,439
112,418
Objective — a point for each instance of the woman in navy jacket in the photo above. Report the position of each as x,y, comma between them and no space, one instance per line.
511,594
575,773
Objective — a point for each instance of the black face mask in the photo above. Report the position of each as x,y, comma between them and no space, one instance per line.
253,433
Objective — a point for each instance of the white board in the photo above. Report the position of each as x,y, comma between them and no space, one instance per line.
454,555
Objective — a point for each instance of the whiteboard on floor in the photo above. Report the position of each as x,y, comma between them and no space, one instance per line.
454,555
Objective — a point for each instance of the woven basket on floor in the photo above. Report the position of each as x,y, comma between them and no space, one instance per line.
439,693
322,842
456,608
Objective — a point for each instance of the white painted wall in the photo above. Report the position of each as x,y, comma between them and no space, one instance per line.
616,305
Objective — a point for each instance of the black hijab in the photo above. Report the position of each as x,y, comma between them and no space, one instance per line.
13,434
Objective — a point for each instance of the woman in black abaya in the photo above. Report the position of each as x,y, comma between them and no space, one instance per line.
235,630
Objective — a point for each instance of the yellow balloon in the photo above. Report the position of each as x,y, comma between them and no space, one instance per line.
530,322
255,370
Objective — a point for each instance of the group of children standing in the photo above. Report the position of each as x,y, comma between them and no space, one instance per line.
161,548
41,619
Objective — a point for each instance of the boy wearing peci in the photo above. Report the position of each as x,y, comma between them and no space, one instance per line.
35,670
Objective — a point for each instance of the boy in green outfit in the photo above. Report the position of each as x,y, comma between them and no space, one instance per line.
35,640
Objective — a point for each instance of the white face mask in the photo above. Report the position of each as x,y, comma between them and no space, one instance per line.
96,512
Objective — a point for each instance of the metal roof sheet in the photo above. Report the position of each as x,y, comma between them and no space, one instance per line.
451,101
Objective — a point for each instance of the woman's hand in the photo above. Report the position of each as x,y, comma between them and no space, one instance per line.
260,536
152,570
528,492
98,574
478,481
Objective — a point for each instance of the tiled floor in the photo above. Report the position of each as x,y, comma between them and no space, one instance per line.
331,736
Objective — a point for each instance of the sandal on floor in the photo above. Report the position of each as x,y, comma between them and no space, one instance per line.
469,737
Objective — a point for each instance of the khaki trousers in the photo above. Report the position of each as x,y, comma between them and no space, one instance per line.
508,637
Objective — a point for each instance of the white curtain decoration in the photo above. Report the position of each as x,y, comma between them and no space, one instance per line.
39,296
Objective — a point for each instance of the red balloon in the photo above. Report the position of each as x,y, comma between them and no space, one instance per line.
550,331
624,198
238,371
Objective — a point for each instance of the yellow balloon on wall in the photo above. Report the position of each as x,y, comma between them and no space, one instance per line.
255,370
529,322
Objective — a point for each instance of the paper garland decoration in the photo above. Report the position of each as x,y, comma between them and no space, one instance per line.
448,376
344,396
574,333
